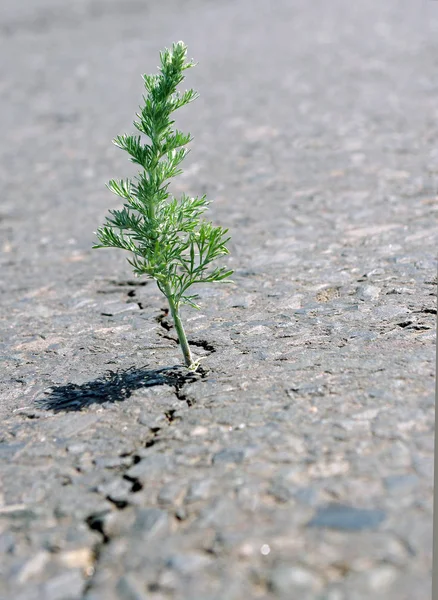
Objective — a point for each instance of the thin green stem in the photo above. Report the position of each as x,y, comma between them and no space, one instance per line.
174,310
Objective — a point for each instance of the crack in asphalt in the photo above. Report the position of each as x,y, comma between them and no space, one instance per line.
96,521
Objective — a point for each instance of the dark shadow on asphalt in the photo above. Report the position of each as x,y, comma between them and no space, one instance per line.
113,386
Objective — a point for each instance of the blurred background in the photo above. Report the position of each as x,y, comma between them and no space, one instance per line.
294,96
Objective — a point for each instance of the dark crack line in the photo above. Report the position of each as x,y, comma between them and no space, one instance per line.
96,521
163,319
203,344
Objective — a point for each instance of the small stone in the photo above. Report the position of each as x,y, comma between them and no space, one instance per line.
129,588
382,577
7,542
113,523
368,292
112,462
229,455
150,522
199,430
19,513
34,566
329,469
168,580
149,467
70,425
154,423
116,489
239,301
288,581
247,550
281,491
306,495
181,513
220,513
347,518
71,580
171,492
258,330
81,558
8,451
199,490
334,594
75,502
102,593
362,335
76,448
401,482
424,465
248,497
188,563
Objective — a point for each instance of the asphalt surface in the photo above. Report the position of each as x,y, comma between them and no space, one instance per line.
300,465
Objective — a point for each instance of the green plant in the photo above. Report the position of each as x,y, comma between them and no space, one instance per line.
168,238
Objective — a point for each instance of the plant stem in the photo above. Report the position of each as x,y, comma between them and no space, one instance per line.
174,309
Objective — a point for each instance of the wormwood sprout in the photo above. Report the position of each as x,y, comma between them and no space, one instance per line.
168,239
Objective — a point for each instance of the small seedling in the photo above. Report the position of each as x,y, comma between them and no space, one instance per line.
168,238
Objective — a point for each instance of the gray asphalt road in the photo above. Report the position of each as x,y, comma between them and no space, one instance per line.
301,466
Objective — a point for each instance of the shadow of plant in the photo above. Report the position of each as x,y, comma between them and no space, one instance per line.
113,386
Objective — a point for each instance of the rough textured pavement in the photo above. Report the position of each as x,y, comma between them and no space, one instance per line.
301,466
